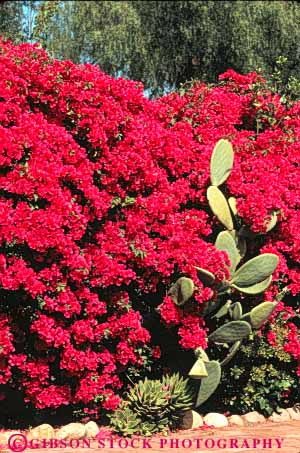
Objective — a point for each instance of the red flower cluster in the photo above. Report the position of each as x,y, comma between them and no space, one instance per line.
102,200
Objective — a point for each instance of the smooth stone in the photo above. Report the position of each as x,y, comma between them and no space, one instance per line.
283,416
216,420
4,436
254,417
91,430
235,420
44,431
71,431
191,420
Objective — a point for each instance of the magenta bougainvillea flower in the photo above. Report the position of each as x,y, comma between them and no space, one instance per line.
102,202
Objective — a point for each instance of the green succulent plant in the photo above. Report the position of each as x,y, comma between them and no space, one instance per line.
162,402
252,277
182,290
125,422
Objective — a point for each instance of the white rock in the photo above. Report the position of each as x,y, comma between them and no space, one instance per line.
283,416
91,429
5,435
71,431
44,431
216,420
254,417
235,420
295,415
191,420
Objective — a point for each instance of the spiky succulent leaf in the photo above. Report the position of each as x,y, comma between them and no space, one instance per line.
231,332
226,243
255,289
125,422
165,400
221,162
219,206
209,383
255,270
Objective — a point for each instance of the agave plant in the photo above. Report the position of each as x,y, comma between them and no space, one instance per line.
161,402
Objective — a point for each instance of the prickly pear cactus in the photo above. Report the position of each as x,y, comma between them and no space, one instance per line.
182,290
219,206
255,271
252,277
221,162
209,383
231,332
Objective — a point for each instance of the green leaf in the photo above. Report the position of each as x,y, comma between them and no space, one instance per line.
232,352
182,290
221,162
261,313
255,270
206,277
219,206
209,383
236,311
231,332
255,289
226,243
223,310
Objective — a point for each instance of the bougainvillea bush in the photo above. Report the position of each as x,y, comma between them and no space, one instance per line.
103,207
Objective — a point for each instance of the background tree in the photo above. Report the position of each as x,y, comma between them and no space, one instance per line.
162,43
106,33
11,15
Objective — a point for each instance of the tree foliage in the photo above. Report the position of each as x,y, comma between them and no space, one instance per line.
99,32
163,43
11,20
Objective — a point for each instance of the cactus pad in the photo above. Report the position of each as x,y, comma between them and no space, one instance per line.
209,383
206,277
182,290
232,351
219,206
226,243
255,289
260,314
221,162
231,332
255,270
232,204
270,224
223,310
201,354
236,311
